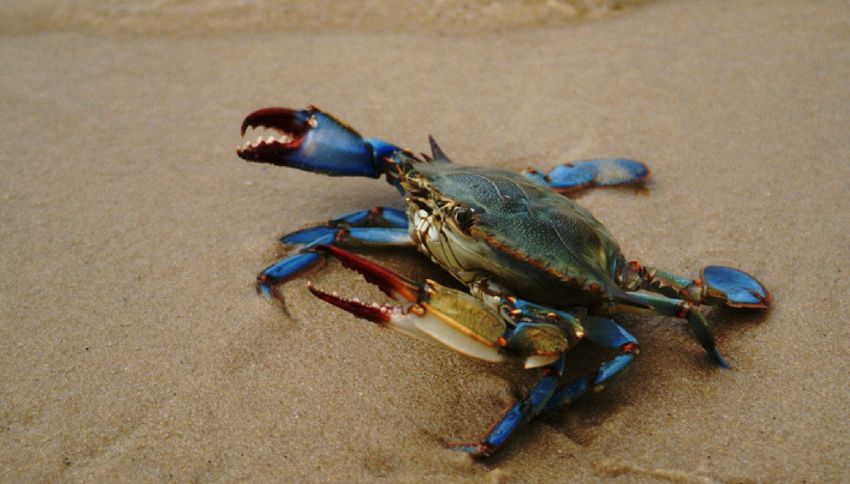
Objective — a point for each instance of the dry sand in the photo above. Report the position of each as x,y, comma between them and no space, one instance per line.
133,346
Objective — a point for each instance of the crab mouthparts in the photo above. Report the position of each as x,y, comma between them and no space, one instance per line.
278,131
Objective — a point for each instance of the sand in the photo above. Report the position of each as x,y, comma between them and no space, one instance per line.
133,345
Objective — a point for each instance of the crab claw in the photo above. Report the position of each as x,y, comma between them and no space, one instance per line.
734,287
428,311
312,140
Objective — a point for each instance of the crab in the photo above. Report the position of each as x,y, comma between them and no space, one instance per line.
542,272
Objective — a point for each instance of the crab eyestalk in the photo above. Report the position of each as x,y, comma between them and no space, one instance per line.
313,140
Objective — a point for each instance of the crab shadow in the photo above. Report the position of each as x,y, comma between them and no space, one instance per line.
732,323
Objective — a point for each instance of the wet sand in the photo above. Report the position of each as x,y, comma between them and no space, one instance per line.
133,345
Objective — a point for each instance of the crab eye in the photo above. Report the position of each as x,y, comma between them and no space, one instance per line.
464,218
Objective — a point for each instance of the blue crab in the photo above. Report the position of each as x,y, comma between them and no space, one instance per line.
542,272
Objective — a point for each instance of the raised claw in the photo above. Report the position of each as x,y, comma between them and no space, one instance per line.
312,140
735,287
428,311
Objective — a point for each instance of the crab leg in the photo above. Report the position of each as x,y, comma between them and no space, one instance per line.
518,414
546,395
600,331
679,308
379,226
530,318
576,175
607,333
716,285
373,217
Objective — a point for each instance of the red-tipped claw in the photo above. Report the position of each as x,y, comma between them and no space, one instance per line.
426,311
284,120
392,284
387,281
311,140
377,313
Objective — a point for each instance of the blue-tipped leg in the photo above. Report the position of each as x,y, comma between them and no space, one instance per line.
375,217
582,174
285,270
520,413
377,236
376,227
607,333
293,266
311,236
355,224
737,288
572,176
680,308
679,296
579,387
717,285
603,332
547,394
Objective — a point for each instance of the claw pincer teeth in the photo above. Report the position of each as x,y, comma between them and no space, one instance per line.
313,140
390,283
288,129
377,313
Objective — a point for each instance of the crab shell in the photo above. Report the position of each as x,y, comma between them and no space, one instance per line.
485,224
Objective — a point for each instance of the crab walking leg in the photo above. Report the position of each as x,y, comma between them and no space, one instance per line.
306,260
376,227
601,331
376,216
547,395
576,175
680,308
373,217
524,314
607,333
518,414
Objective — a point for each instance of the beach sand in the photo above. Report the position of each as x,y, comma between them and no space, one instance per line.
134,347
